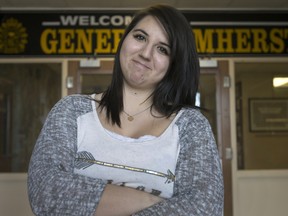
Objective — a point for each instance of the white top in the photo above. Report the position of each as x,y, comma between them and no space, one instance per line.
147,163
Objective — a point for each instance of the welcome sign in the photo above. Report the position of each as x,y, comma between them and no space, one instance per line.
97,33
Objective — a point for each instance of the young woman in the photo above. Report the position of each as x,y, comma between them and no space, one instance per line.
139,148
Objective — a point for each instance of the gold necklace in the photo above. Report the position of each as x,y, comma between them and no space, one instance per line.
131,117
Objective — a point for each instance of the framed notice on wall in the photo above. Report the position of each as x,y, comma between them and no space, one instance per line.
268,115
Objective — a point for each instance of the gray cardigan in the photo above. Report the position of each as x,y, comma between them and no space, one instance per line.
55,190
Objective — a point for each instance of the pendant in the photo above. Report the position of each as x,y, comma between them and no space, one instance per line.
130,118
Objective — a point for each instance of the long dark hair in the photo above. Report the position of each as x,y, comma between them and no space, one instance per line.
179,86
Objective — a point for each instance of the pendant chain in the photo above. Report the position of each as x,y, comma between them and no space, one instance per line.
131,117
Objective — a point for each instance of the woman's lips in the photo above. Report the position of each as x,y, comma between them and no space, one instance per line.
141,64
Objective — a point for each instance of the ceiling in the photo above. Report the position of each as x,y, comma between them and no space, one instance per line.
109,4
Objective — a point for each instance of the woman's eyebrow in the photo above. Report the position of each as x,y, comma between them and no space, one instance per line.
141,30
144,32
165,44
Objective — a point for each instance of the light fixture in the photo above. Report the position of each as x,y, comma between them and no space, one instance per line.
280,82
